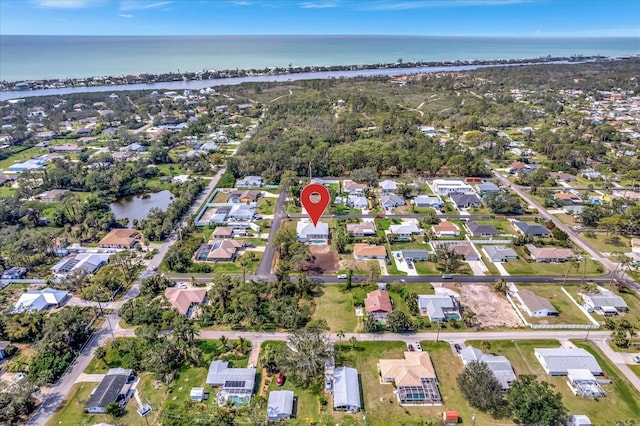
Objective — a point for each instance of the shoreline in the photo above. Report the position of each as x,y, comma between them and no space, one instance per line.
190,80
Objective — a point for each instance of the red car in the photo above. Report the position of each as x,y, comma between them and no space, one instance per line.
280,380
379,216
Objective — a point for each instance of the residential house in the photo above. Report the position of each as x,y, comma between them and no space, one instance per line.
219,250
222,232
416,255
562,177
499,253
365,229
414,378
38,300
465,249
87,263
573,210
32,164
358,201
465,201
406,229
51,195
556,361
550,254
310,234
249,182
427,201
353,188
346,389
3,348
590,174
388,186
499,365
67,148
241,213
185,300
280,405
536,306
247,196
236,384
447,186
605,303
439,307
14,273
566,197
533,229
114,387
487,187
389,201
120,239
378,304
446,229
4,178
520,167
481,230
363,251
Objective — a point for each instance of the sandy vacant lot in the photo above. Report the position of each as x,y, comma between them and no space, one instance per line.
325,261
491,309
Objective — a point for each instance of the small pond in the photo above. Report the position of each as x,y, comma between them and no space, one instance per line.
138,206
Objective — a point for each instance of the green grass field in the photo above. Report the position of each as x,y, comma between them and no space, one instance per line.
21,156
599,243
522,267
336,307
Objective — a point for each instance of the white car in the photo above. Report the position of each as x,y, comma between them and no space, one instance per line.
636,358
342,276
418,347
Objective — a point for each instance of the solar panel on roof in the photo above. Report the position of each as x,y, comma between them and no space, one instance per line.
234,384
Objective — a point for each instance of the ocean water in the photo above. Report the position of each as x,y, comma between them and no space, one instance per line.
51,57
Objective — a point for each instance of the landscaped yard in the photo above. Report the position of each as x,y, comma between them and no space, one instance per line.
568,312
632,300
72,409
522,267
621,400
21,156
380,404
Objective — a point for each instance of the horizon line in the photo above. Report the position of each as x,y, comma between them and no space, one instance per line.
327,35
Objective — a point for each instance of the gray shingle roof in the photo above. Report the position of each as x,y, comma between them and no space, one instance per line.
559,360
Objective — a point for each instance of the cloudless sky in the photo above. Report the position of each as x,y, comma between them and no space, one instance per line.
528,18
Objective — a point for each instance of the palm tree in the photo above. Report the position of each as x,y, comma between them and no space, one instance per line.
101,353
354,342
340,335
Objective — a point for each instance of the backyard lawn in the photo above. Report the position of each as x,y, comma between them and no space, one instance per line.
624,244
621,399
568,312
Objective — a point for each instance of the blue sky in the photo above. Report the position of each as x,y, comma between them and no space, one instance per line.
529,18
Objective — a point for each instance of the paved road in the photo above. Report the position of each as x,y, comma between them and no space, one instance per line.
549,279
52,396
573,236
264,270
599,338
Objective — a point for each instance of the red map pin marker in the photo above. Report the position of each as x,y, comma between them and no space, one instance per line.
315,199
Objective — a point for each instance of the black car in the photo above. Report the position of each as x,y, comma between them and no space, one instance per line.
457,347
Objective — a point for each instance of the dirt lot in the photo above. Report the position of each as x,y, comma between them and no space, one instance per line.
491,309
325,261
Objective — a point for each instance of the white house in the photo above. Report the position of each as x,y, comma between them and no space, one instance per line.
307,233
536,306
448,186
280,405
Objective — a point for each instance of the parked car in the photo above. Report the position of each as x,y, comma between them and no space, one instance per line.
418,347
327,383
379,216
409,264
411,348
342,276
447,277
280,380
457,347
636,358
